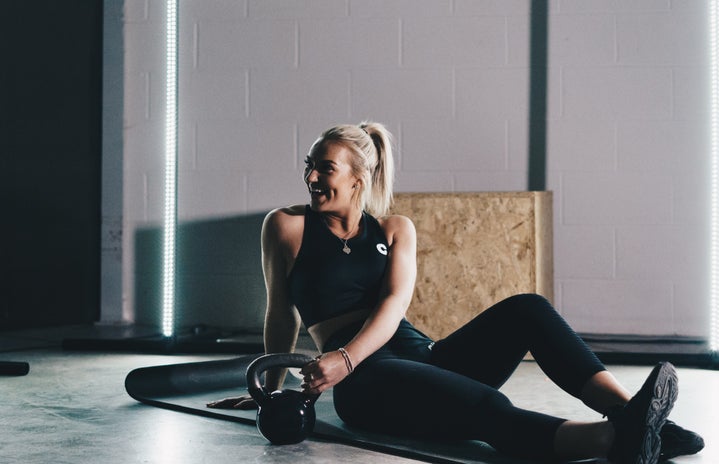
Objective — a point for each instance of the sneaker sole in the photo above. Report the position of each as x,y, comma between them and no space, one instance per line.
664,394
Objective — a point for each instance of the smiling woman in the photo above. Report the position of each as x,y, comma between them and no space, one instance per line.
371,167
328,174
353,300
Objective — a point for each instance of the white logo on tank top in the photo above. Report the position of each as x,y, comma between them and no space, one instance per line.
382,248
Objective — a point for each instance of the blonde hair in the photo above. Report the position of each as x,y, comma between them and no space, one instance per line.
371,146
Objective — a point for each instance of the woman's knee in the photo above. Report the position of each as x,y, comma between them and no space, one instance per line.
524,306
530,300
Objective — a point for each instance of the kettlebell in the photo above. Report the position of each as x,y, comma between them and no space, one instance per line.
284,416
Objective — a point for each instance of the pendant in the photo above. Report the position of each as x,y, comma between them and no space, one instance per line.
346,249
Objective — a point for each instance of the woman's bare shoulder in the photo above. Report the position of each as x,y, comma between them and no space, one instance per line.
396,221
287,212
397,225
284,220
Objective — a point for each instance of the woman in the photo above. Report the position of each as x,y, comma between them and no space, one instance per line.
347,271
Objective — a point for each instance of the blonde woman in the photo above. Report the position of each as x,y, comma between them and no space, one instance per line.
347,271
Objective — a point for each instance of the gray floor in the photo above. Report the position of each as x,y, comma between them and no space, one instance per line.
73,408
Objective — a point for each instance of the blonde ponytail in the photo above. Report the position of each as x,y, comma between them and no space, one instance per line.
372,162
379,193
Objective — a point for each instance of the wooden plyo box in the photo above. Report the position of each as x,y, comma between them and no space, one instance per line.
475,249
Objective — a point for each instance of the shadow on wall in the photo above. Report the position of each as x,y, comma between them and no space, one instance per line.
219,274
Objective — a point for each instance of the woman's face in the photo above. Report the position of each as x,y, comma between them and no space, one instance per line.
329,178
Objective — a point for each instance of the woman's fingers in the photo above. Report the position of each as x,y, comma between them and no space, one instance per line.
312,377
310,367
311,372
239,402
314,389
246,404
323,373
224,403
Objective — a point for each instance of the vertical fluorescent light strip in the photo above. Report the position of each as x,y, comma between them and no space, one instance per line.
170,226
714,144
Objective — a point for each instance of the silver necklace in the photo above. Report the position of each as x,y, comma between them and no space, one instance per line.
345,247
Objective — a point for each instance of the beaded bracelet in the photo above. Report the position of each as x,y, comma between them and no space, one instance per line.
348,360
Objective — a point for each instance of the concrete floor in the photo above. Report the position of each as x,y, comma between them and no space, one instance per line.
72,408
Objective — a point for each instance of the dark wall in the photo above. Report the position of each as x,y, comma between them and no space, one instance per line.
219,274
50,160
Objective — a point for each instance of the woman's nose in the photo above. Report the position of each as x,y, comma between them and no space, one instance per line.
311,175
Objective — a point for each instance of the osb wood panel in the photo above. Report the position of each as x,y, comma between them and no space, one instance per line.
475,249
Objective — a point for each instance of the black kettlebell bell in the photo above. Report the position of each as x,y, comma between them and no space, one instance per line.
284,416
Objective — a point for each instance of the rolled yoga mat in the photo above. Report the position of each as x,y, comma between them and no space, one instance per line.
14,368
189,387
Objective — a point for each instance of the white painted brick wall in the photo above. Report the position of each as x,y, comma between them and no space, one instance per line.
628,160
627,125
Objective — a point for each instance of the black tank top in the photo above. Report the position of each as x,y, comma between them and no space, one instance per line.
325,281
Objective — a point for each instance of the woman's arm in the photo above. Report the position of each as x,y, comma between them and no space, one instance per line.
382,323
396,293
282,321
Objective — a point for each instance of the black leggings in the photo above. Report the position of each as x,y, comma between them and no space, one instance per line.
449,389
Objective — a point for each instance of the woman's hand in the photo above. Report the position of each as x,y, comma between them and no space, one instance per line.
324,372
237,402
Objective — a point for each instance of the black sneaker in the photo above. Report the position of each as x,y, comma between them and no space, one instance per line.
677,441
638,423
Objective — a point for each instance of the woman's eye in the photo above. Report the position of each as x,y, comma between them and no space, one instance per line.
322,167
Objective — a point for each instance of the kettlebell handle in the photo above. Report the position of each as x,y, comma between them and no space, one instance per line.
268,361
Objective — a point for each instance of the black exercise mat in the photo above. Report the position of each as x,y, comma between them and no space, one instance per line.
189,387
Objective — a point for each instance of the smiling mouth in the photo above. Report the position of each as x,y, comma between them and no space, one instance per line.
317,192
